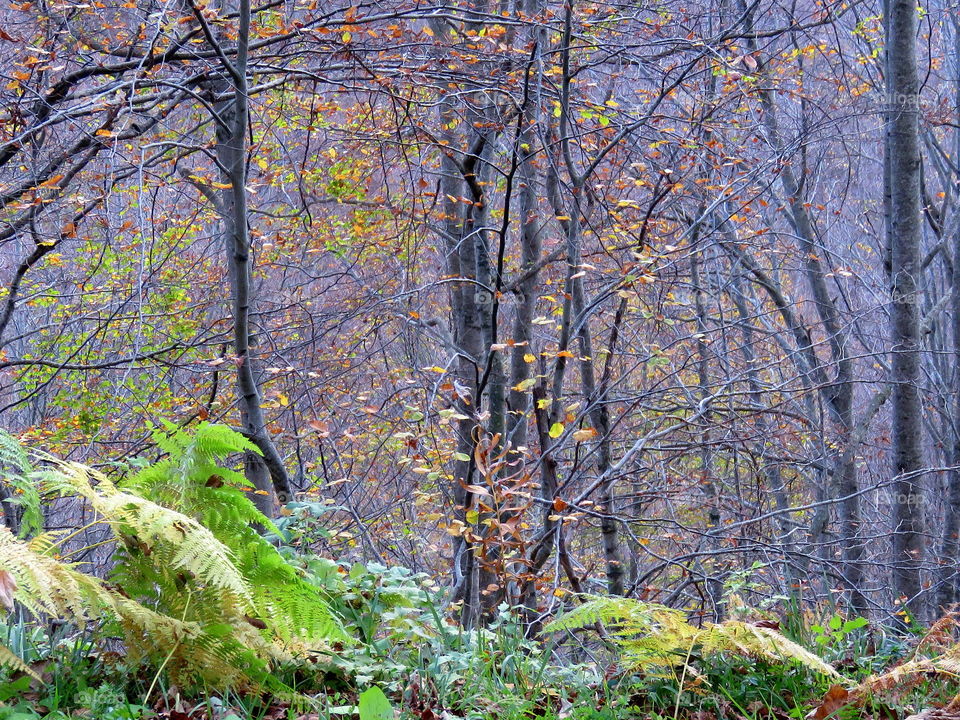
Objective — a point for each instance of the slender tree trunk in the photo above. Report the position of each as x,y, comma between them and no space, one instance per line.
904,222
266,472
711,496
598,412
765,434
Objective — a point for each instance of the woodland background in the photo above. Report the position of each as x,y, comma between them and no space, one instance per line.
537,298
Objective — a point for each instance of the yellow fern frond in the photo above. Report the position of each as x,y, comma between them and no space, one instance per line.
180,541
760,642
225,655
46,585
655,635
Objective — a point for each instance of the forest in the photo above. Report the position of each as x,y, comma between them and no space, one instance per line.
480,359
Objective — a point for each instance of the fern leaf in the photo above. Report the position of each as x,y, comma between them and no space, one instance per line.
25,495
651,634
178,540
761,642
9,659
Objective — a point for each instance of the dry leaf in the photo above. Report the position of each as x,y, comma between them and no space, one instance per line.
8,586
836,698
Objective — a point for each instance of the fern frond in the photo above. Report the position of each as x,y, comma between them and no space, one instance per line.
178,541
633,615
17,471
223,655
651,634
191,594
10,659
760,642
46,585
13,455
193,480
219,440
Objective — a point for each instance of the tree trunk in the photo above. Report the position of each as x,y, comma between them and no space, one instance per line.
266,472
904,222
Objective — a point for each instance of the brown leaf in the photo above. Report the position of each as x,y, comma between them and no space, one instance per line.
256,622
836,698
214,481
8,586
770,624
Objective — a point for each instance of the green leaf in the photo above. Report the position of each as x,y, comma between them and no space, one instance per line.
374,705
14,687
854,624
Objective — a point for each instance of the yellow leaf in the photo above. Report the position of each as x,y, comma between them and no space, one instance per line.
284,400
556,430
346,37
528,358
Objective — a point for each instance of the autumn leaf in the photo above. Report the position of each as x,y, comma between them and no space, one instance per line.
8,586
584,435
556,430
836,698
524,385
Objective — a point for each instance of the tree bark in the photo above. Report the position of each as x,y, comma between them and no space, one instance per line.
904,223
266,472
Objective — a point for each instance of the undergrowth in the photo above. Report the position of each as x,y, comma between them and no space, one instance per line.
213,610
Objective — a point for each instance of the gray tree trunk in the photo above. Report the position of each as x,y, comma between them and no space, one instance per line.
266,472
904,223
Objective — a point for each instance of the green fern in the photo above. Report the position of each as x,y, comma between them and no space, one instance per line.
48,586
172,539
194,480
16,472
196,589
655,635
